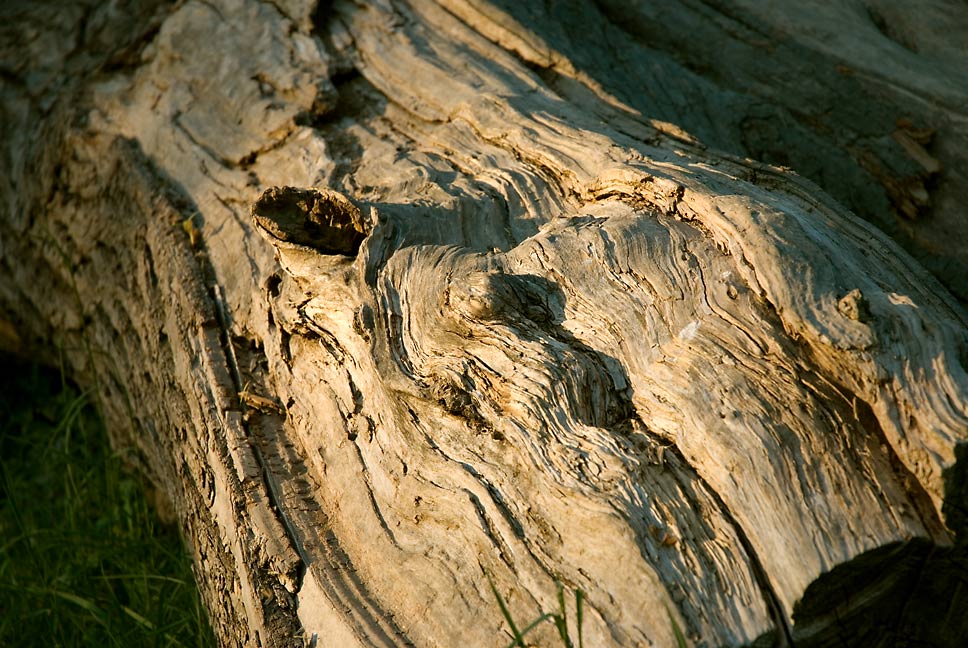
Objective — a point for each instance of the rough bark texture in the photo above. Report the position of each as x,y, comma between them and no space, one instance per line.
389,296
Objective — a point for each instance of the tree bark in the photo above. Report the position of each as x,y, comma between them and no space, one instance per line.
392,298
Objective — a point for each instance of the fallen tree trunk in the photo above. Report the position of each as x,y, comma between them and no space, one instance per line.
389,299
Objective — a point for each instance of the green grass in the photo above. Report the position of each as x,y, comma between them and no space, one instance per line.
560,620
84,560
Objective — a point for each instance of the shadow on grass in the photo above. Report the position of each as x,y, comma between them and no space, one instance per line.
84,560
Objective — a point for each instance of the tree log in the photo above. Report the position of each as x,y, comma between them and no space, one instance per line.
393,298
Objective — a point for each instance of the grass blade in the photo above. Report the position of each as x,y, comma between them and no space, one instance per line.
579,600
531,626
561,619
677,631
518,637
87,604
145,623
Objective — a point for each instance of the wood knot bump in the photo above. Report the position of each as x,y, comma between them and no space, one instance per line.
480,295
492,295
323,220
854,306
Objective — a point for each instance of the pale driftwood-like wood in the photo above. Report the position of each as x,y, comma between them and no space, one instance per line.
392,297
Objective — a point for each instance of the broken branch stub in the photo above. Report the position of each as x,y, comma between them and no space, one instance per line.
525,325
321,220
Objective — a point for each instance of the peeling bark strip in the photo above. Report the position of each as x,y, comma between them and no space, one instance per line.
527,309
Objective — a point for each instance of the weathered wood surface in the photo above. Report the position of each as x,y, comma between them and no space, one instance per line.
536,314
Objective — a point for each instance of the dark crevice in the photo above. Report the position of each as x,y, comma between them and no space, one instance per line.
548,75
496,498
323,221
358,101
493,535
150,266
355,99
321,15
273,285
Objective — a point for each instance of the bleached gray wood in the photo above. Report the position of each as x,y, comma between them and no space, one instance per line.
389,297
